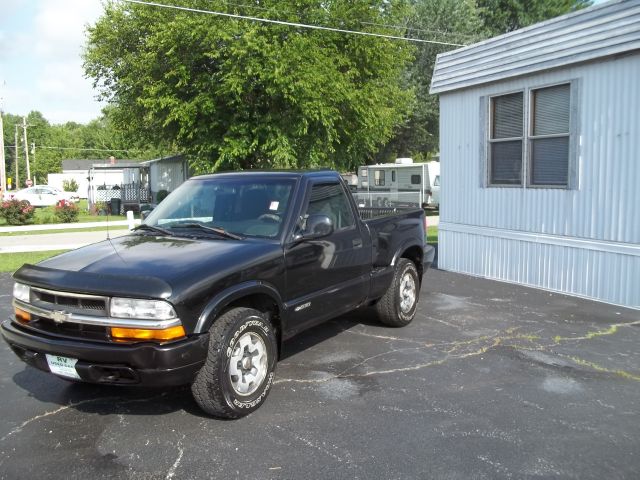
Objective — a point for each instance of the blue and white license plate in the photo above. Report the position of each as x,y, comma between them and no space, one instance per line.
63,366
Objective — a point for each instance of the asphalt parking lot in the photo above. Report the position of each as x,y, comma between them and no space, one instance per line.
490,381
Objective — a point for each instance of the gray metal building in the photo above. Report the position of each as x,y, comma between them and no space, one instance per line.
540,155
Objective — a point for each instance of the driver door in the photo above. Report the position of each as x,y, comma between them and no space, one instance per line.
327,276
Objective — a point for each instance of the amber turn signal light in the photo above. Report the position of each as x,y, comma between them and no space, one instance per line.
172,333
22,316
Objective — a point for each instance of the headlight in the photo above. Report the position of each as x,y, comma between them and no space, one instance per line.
143,309
21,292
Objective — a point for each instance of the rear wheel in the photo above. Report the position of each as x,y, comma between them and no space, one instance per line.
399,304
239,369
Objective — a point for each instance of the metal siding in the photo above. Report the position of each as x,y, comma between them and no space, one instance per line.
603,208
592,274
603,30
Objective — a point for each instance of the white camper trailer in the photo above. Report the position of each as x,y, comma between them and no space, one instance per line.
402,183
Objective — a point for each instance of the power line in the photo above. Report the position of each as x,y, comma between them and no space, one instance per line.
397,27
84,149
290,24
413,29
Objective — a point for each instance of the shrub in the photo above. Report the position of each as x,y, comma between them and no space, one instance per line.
98,208
66,212
70,185
45,216
17,212
161,195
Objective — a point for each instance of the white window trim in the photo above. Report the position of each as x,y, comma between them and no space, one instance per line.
486,126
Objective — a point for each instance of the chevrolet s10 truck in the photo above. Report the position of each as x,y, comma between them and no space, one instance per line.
206,290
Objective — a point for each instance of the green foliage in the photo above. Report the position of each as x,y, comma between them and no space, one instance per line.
502,16
236,94
17,212
46,216
161,195
66,212
449,21
97,140
70,185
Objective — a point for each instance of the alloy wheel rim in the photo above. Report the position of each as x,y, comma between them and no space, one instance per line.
248,364
407,293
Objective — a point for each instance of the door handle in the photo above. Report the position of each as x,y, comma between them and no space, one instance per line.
356,243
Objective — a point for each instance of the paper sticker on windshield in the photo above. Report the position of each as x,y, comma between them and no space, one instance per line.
274,206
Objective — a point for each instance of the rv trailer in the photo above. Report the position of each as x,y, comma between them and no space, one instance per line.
399,184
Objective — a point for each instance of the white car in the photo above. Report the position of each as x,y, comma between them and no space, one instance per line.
41,195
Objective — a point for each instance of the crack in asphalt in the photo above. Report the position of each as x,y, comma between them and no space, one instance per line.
509,338
176,464
73,405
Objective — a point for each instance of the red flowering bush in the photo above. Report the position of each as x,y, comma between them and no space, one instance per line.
17,212
66,212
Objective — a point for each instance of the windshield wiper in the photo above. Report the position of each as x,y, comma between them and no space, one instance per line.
217,230
151,228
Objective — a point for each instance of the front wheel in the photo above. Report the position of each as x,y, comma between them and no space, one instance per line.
399,304
239,369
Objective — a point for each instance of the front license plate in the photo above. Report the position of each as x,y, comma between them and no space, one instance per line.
63,366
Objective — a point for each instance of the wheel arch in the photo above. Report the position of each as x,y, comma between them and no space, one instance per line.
258,295
411,251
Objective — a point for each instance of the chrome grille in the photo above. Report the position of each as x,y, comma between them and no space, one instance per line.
71,302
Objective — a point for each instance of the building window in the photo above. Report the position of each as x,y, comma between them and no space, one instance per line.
506,139
393,175
415,179
378,178
549,136
535,146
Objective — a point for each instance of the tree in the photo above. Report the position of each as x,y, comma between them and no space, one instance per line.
238,94
449,21
502,16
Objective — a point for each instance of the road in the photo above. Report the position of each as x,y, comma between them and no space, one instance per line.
490,381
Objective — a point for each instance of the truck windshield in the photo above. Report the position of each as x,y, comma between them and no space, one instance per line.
245,207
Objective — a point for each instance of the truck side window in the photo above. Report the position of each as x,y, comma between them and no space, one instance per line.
330,199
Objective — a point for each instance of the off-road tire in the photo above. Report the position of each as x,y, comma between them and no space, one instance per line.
389,307
213,387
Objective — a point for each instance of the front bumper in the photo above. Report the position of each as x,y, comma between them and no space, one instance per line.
146,364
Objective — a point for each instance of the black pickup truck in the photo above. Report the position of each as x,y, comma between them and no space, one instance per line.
209,286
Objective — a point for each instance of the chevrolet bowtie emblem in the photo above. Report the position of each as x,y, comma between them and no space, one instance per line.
60,316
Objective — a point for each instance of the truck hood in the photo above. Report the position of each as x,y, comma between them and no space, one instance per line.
148,265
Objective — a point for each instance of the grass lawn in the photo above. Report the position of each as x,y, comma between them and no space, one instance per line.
10,262
432,234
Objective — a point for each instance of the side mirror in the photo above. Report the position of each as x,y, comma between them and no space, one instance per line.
318,226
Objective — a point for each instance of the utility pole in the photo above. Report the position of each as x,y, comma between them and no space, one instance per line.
15,147
26,146
3,169
33,155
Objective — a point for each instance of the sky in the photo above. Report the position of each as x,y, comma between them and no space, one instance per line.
41,42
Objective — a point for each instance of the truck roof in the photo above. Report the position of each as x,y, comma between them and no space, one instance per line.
273,173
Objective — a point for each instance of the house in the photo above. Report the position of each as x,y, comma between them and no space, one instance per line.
540,147
77,170
136,183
